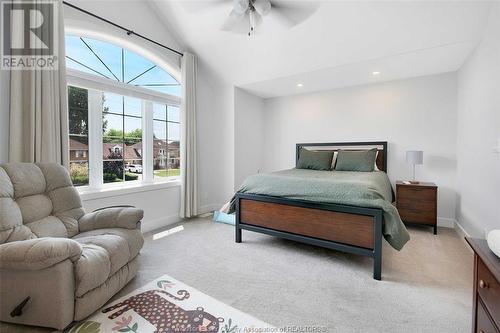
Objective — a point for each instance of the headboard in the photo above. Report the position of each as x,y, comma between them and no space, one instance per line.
334,146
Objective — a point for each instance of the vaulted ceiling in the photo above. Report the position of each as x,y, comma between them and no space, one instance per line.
340,45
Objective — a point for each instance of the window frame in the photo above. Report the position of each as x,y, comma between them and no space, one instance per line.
96,87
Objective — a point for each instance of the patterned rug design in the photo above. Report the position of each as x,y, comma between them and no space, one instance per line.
167,305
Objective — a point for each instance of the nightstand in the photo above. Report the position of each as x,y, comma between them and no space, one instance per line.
417,203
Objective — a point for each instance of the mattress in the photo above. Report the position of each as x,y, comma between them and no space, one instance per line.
361,189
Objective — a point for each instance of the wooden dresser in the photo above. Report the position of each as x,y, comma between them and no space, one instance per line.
417,203
486,308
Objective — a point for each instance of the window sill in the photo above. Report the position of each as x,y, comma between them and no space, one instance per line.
87,193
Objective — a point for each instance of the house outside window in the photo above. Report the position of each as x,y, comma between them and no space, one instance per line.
114,99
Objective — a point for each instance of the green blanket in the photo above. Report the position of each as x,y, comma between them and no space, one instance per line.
365,189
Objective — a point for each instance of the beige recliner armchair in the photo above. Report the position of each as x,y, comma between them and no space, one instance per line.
57,263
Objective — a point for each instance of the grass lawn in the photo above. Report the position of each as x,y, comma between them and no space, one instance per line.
167,173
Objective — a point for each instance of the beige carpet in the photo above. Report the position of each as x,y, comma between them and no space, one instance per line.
427,287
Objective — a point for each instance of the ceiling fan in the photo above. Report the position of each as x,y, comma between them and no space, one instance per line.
246,15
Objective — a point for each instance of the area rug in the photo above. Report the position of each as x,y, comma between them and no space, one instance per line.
167,305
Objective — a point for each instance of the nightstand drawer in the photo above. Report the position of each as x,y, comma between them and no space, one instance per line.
483,321
417,215
489,290
416,204
416,193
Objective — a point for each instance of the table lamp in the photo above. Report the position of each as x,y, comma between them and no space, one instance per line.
414,157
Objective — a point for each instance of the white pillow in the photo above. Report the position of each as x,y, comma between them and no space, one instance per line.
375,167
334,159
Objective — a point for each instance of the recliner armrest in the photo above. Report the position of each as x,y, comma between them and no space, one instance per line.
113,217
38,253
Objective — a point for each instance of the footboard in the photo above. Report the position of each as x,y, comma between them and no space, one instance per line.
345,228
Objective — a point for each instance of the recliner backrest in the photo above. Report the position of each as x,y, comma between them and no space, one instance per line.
37,200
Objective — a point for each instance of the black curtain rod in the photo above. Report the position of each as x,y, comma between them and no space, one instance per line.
128,31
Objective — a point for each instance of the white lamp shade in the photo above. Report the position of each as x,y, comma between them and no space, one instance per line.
415,157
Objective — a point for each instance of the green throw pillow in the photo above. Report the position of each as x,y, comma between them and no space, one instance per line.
356,160
316,160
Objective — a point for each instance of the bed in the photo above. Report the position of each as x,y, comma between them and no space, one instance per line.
339,210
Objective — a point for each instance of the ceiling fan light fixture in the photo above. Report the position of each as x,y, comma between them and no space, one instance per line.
251,16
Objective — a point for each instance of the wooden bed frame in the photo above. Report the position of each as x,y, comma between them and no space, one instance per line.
350,229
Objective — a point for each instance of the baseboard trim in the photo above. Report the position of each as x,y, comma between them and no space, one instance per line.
460,230
162,222
446,222
209,208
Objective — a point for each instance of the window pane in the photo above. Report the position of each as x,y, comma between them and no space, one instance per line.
159,111
78,110
159,80
112,171
79,57
112,125
132,106
110,54
173,156
174,131
136,67
160,158
112,148
133,127
173,172
112,160
159,130
78,156
133,170
112,103
78,148
78,139
173,113
133,159
79,172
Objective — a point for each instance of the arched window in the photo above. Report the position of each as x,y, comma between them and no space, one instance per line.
124,119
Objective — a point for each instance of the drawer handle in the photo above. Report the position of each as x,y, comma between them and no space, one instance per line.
483,284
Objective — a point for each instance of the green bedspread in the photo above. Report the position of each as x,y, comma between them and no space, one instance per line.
365,189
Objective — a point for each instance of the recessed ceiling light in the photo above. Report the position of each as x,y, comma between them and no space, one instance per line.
375,73
300,85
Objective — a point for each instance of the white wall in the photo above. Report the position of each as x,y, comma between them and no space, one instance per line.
417,113
215,120
161,206
4,115
478,129
248,135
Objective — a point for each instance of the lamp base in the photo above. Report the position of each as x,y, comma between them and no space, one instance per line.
414,182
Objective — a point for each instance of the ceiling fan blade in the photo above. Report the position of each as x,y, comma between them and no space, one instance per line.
263,7
236,23
240,24
240,6
201,6
290,13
